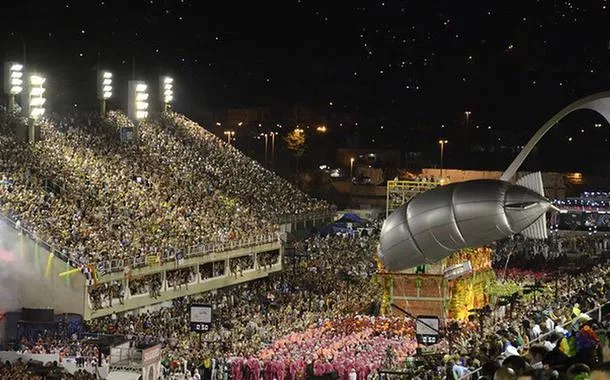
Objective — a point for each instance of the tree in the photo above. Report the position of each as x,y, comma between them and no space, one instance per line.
295,141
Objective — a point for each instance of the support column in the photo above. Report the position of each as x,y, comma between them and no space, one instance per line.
11,104
103,108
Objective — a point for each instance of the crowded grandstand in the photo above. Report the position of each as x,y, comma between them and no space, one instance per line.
92,199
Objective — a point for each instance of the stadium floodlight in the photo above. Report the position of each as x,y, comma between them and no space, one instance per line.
137,107
13,82
166,91
141,96
36,99
104,89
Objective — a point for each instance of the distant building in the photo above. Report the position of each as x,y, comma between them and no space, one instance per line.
374,157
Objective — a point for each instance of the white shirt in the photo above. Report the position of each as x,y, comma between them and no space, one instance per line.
459,370
550,324
536,331
538,365
353,375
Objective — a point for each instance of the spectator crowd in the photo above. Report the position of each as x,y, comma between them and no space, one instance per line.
330,284
97,199
94,198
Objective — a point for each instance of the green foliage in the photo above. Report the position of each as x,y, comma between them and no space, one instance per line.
295,141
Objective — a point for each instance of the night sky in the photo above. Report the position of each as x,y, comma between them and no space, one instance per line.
400,65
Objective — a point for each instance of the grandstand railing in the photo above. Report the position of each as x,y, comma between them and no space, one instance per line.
566,324
118,265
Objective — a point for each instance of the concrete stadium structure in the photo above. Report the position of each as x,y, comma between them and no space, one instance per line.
599,103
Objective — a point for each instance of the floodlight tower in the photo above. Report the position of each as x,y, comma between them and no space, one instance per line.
35,97
104,89
137,108
34,103
13,82
166,92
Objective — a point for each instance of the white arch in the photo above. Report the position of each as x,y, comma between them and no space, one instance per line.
599,103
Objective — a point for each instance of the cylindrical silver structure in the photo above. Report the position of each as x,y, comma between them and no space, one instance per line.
443,220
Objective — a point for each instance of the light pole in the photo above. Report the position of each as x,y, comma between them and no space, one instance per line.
266,136
13,82
272,149
104,89
467,113
36,99
351,167
137,106
442,144
166,92
229,135
35,103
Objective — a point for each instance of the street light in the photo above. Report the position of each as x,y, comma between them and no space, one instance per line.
272,134
137,107
266,136
166,91
240,123
13,82
229,135
351,167
467,113
321,129
104,89
442,144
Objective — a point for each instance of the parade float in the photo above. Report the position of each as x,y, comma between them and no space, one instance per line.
447,289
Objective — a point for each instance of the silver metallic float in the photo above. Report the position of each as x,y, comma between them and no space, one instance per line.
440,221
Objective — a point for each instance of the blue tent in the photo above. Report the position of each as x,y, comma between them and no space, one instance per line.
351,218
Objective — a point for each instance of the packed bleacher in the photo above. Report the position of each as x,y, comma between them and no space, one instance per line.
320,317
549,254
285,320
96,199
319,320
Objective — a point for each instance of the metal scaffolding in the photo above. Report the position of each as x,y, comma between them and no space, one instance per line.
400,192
